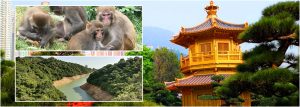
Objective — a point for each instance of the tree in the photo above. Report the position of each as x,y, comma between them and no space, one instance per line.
7,74
166,65
262,72
147,54
122,80
35,76
154,90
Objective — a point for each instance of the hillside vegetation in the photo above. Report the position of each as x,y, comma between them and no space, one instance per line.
123,80
35,76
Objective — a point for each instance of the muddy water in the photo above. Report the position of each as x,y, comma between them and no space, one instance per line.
73,91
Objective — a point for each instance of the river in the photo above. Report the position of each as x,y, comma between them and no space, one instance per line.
73,91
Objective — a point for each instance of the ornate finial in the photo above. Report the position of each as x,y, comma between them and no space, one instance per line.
45,3
211,10
182,29
246,24
211,2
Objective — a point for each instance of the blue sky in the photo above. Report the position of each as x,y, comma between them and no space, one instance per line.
172,14
92,61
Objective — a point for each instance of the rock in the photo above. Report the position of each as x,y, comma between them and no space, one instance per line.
96,92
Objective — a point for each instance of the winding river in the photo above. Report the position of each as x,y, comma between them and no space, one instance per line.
73,91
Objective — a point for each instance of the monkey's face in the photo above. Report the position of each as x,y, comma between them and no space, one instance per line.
95,29
58,10
98,34
107,14
38,23
106,17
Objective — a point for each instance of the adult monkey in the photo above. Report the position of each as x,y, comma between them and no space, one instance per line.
120,34
59,29
75,19
37,26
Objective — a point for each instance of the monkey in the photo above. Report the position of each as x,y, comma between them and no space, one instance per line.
59,29
121,34
74,21
88,38
37,25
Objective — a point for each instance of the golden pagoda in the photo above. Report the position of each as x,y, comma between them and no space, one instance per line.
213,49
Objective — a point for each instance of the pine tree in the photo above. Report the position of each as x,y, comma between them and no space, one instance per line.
268,72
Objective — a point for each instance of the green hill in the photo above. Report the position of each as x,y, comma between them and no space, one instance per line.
35,76
123,80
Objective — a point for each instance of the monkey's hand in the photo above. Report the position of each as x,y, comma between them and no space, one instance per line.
43,43
32,36
68,36
107,47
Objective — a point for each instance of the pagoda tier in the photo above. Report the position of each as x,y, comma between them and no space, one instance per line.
213,45
193,80
210,28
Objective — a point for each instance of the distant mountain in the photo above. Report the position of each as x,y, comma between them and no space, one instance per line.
158,37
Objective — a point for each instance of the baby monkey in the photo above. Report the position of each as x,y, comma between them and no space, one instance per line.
89,38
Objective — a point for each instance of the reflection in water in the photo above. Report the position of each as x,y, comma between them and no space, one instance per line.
74,92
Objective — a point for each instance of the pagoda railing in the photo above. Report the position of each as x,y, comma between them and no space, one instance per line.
210,57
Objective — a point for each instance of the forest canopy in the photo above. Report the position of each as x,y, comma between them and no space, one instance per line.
123,80
35,76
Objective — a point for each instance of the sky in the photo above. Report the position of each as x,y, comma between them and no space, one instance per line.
90,61
173,14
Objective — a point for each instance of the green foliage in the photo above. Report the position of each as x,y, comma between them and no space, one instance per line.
167,97
284,88
154,90
269,82
35,76
166,65
2,53
91,12
147,54
7,86
122,79
134,13
208,97
21,44
6,66
270,27
290,7
278,20
20,10
7,78
260,73
290,100
217,78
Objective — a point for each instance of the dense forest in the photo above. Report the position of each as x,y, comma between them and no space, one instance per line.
35,76
123,80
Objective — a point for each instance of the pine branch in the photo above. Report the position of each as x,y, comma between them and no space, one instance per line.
291,36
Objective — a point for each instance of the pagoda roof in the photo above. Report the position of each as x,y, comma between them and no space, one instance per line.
213,22
208,28
193,80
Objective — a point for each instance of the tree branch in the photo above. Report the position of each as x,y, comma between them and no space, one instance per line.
291,36
270,38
